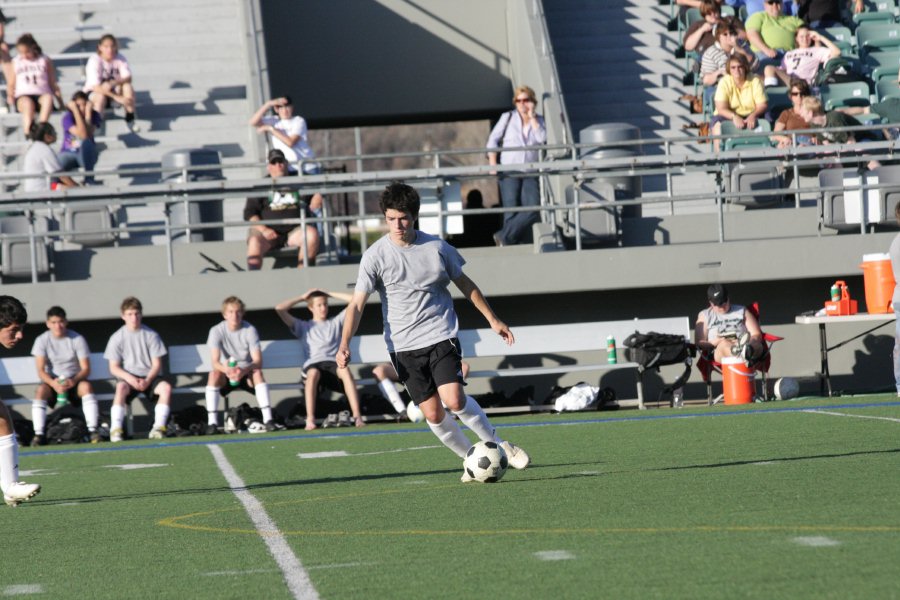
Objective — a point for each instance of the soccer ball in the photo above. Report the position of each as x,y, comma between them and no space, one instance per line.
414,413
786,388
486,462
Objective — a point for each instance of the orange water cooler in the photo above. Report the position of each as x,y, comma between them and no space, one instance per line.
878,276
737,381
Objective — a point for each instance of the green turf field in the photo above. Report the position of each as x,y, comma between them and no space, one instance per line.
768,501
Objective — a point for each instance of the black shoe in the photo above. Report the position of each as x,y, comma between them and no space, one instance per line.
273,426
212,429
95,437
38,440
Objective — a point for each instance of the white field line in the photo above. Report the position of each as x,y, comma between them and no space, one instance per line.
295,575
839,414
345,454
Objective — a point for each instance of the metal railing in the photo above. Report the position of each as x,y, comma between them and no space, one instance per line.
575,164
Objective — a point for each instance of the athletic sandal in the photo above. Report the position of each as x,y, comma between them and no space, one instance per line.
330,421
343,419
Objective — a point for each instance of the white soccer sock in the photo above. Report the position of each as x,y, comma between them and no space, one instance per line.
477,421
770,81
91,409
117,417
9,461
160,415
389,391
262,398
212,405
451,435
39,416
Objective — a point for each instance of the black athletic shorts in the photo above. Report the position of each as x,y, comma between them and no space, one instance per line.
422,371
246,384
327,375
71,396
149,393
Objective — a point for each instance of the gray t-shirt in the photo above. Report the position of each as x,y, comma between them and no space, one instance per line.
895,265
63,354
717,323
135,350
237,344
39,158
413,282
320,339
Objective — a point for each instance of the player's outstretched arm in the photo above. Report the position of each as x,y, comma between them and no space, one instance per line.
342,296
473,293
351,322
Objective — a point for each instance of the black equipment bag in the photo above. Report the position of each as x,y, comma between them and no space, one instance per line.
653,350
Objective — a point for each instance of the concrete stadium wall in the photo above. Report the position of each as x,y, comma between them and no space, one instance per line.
359,62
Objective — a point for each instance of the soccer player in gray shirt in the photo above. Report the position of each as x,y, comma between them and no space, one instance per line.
135,354
63,362
236,356
320,337
411,271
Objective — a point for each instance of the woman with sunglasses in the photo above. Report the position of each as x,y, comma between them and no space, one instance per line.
518,128
790,117
740,98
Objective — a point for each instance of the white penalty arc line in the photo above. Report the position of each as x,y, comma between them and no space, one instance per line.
295,575
838,414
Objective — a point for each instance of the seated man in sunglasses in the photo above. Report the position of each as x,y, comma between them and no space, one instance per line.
280,203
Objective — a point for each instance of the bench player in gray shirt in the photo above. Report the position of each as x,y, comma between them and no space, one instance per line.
63,363
135,354
234,338
320,337
411,271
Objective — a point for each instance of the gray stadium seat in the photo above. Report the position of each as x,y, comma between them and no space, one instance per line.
758,177
89,218
15,254
840,209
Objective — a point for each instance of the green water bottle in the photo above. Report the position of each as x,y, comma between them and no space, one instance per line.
835,293
62,398
231,364
611,350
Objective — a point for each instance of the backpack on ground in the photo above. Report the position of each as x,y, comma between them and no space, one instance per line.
67,426
839,70
24,429
241,417
653,350
191,420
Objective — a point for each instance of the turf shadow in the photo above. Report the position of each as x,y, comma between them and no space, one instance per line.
738,463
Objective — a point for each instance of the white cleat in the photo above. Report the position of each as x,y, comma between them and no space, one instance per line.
20,492
116,435
157,433
518,458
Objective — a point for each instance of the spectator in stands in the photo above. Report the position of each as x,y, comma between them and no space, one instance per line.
34,86
9,73
236,358
288,131
12,321
740,98
700,35
321,337
412,271
812,52
40,159
714,62
820,14
812,111
771,33
725,329
108,78
63,362
79,124
790,118
282,203
135,354
518,128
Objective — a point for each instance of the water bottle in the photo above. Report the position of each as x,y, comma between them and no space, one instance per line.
611,350
62,398
232,362
835,293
